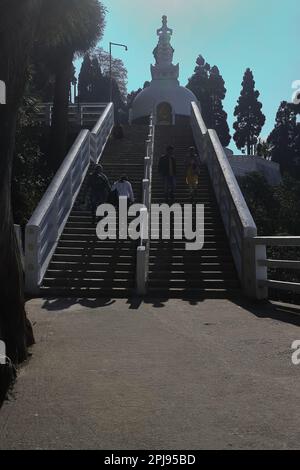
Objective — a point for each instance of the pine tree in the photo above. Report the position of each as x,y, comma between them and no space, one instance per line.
209,87
218,118
94,82
284,138
250,119
90,80
198,84
84,79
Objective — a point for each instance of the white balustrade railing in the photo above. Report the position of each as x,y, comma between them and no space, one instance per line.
143,250
238,221
18,234
48,221
259,246
101,132
81,114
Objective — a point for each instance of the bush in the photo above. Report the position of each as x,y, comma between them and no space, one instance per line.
276,211
31,174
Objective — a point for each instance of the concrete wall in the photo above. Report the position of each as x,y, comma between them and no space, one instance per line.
242,165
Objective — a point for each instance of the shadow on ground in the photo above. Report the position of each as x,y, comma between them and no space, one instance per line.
261,309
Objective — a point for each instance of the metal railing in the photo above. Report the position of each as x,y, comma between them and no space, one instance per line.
48,221
83,114
143,250
263,263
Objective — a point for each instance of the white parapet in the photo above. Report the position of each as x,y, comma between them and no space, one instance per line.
142,260
101,132
47,223
238,221
141,270
2,92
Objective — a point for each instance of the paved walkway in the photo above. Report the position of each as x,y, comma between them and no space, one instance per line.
174,375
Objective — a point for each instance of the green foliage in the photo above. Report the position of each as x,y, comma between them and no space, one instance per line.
288,197
285,139
250,119
119,71
275,209
261,201
94,82
90,81
68,28
30,172
264,149
208,86
75,25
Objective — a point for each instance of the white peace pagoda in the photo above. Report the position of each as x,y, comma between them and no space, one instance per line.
165,98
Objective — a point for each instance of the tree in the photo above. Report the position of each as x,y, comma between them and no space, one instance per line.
261,201
69,28
131,97
208,86
198,84
119,72
16,45
31,174
218,118
90,80
284,137
264,149
250,119
94,81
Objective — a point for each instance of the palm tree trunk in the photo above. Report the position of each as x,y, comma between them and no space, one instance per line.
16,44
59,128
14,327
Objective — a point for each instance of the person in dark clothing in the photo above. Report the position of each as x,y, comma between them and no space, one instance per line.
167,169
118,132
99,190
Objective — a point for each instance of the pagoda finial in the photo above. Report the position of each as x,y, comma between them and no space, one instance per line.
163,53
165,30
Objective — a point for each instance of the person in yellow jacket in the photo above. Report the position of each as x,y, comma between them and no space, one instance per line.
192,172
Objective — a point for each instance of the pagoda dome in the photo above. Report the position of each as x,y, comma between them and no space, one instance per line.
164,98
160,95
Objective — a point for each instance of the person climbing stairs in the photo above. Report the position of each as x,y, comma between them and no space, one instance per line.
174,271
82,264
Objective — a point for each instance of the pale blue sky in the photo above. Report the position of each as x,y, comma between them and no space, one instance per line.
232,34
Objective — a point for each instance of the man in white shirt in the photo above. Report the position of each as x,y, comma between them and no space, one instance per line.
124,188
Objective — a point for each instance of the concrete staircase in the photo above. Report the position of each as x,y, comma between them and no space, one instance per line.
175,272
83,265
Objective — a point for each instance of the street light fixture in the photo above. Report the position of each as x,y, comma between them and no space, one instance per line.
110,66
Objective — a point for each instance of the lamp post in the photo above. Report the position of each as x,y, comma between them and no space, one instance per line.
110,66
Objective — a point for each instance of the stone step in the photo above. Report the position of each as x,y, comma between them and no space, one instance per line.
99,283
91,265
193,293
193,283
86,292
92,274
68,256
192,275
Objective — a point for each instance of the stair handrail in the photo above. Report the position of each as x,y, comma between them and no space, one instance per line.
80,113
101,133
263,263
238,221
143,250
47,223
